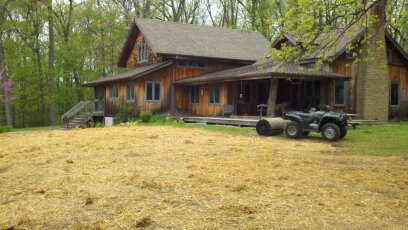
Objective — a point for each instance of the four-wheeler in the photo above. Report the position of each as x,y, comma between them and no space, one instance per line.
331,125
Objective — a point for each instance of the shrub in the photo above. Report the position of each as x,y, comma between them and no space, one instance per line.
4,129
158,118
127,113
97,124
146,116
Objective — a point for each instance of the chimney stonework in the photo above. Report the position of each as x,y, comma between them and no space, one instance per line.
372,99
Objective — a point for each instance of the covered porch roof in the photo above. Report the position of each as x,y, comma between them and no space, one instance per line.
131,74
269,69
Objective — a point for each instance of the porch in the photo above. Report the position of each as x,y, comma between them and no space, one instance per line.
243,89
242,122
244,97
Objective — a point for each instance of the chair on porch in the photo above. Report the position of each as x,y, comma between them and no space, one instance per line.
228,109
262,108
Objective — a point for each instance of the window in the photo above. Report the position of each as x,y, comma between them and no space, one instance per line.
113,92
244,93
192,63
99,93
389,55
312,88
340,90
214,94
142,53
130,91
395,94
195,94
153,91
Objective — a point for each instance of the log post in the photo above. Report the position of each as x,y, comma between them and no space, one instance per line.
273,91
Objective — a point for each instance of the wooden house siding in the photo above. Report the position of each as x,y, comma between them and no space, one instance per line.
132,60
348,67
398,72
165,76
203,108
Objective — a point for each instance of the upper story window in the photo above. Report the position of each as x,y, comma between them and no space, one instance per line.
142,53
130,91
192,63
113,91
389,55
153,91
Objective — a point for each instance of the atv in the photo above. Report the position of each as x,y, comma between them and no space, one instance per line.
331,125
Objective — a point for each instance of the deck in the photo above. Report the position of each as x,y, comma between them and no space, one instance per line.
249,122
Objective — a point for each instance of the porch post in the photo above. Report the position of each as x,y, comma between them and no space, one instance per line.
172,100
273,91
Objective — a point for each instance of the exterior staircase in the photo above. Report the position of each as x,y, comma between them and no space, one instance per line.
78,116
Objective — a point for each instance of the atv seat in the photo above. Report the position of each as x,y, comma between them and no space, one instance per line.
308,117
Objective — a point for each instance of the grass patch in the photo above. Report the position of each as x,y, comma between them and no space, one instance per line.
158,120
390,139
41,128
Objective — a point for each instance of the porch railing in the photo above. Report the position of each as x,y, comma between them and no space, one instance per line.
82,106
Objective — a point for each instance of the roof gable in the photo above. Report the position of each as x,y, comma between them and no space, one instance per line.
351,36
196,40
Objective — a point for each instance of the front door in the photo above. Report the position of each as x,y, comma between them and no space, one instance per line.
99,99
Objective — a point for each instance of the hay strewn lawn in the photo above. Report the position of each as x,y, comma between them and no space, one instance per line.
167,177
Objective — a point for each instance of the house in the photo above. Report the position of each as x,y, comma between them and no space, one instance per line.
196,70
157,54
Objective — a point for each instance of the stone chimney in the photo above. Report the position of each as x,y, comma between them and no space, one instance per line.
372,99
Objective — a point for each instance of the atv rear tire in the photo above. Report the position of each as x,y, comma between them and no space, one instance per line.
293,130
330,132
343,132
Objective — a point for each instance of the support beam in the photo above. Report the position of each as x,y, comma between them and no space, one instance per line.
273,92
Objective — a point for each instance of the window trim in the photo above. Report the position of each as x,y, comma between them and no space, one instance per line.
142,47
126,95
212,86
153,91
111,92
197,88
344,104
398,83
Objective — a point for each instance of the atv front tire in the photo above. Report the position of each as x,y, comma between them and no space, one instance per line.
293,130
330,132
343,132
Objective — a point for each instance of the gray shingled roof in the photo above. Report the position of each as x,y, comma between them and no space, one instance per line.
197,40
334,43
263,70
131,74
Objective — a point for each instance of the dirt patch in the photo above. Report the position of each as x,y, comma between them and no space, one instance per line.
164,177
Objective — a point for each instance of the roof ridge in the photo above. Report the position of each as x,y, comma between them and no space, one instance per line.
197,25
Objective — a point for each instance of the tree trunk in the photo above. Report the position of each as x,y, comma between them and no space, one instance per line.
51,82
273,90
6,92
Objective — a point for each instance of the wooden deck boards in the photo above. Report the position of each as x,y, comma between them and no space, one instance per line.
222,121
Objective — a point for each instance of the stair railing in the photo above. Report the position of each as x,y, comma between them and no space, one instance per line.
80,107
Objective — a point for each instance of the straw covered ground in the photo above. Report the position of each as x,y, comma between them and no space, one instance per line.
168,177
